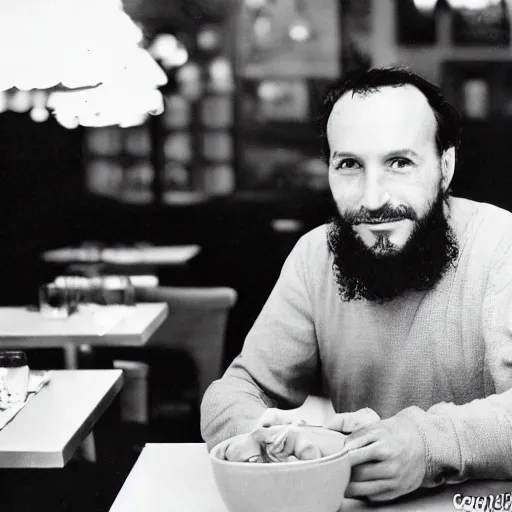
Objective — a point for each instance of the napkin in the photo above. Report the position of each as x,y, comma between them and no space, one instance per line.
144,281
105,318
37,379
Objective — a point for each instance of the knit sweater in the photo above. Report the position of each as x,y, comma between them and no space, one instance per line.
440,360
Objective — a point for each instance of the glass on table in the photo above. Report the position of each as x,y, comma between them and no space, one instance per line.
14,375
57,300
78,288
116,290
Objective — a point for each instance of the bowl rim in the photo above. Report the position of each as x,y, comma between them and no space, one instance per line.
299,463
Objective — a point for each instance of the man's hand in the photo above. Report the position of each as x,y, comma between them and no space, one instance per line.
242,448
278,443
270,439
347,422
387,458
273,416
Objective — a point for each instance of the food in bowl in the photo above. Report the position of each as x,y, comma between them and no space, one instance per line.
282,443
315,484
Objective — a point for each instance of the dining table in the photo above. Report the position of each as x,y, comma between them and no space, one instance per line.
167,255
53,423
178,476
25,327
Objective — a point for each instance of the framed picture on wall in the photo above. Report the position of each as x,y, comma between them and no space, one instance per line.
290,38
276,100
488,26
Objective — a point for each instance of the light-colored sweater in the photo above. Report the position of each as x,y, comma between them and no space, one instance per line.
441,360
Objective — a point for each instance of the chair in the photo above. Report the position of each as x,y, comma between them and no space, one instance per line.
184,356
196,324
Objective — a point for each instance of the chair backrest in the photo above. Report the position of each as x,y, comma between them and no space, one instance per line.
196,323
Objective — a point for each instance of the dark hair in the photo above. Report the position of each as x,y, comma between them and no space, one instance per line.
371,80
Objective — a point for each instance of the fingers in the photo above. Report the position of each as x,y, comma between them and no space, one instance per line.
301,445
243,448
281,442
221,454
362,437
367,472
377,490
304,450
350,421
369,453
273,416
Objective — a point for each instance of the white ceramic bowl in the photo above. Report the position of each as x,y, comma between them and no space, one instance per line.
304,486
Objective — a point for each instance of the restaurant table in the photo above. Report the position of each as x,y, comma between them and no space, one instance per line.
178,477
150,255
24,328
50,427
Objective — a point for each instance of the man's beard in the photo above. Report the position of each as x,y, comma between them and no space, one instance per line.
384,272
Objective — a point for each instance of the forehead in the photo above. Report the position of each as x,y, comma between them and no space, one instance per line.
388,119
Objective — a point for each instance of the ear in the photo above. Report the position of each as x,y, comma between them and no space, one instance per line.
447,167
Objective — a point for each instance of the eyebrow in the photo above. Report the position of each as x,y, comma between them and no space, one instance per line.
399,152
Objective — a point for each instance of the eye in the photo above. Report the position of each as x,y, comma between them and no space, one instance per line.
400,163
349,164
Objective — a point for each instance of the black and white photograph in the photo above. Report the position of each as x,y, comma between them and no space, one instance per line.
255,255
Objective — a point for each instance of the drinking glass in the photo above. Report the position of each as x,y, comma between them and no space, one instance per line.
117,290
78,289
14,374
57,301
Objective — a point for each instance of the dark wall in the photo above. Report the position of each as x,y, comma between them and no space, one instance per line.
40,190
484,170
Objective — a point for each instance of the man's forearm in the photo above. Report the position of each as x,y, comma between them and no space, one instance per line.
473,440
230,407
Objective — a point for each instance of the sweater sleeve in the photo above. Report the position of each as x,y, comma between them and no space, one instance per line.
277,362
474,440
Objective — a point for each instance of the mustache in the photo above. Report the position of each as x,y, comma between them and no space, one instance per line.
386,213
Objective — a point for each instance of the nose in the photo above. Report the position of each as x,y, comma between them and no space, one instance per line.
375,194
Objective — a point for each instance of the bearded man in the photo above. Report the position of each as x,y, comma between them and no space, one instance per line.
403,303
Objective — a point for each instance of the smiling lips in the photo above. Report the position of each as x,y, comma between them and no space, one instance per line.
381,225
379,222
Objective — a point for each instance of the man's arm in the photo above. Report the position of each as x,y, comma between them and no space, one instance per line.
474,440
458,442
277,362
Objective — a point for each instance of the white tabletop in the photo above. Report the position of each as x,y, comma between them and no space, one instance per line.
152,255
47,431
22,328
178,477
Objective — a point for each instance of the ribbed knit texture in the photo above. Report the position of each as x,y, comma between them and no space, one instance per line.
441,360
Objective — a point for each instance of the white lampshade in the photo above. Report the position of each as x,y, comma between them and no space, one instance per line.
126,104
426,6
472,4
77,44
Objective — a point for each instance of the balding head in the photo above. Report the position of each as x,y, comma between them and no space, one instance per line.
390,118
365,82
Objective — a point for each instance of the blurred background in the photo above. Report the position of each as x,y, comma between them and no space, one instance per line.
218,146
232,161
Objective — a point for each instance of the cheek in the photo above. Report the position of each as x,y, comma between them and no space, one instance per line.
417,191
345,192
420,190
419,198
